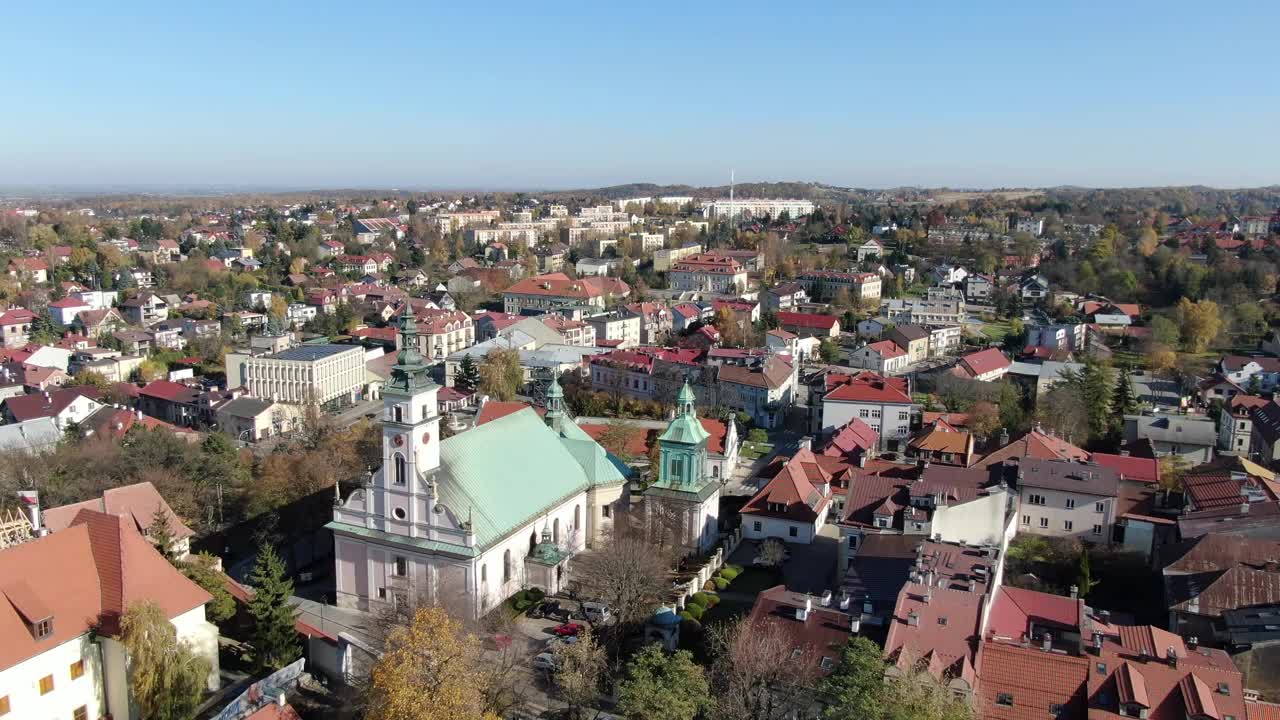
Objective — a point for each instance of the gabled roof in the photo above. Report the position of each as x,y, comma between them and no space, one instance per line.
170,391
495,409
808,320
853,437
866,387
798,486
1213,593
1035,444
103,566
1217,551
1013,610
984,361
35,405
887,349
823,632
1033,680
136,503
1137,469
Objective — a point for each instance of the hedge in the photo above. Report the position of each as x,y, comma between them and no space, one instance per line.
728,573
694,610
706,599
720,583
736,568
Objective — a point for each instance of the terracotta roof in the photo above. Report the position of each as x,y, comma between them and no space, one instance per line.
772,374
1137,469
822,634
887,349
1036,444
809,320
1032,683
103,567
866,387
944,634
955,420
798,487
495,409
984,361
136,503
1215,551
938,438
171,391
30,407
855,436
1221,489
272,711
1134,667
1262,711
1013,610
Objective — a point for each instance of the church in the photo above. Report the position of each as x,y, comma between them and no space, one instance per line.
469,521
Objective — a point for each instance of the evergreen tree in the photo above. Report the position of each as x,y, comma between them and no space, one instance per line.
275,642
160,533
468,377
1124,401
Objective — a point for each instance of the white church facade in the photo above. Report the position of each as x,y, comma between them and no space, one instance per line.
468,521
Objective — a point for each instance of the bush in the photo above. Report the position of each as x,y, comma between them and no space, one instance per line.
694,603
737,569
705,599
694,610
521,605
689,625
720,583
728,573
536,594
709,586
758,435
684,615
712,600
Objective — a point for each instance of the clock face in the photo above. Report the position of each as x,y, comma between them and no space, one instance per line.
399,440
426,438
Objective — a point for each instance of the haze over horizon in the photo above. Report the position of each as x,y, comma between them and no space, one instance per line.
313,96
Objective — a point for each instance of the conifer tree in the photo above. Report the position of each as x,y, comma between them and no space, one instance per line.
275,642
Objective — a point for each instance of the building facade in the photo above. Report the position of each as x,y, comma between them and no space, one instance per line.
307,373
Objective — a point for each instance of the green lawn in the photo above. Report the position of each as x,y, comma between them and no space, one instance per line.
753,450
996,330
754,580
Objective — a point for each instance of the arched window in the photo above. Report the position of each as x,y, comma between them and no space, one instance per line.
397,413
402,470
484,574
555,531
506,566
577,517
715,471
533,541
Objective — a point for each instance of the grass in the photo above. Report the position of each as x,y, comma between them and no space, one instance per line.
996,330
755,451
754,580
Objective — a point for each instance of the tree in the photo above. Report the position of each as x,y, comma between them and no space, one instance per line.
659,686
1200,322
914,694
430,669
984,418
771,553
275,643
1124,401
160,532
627,573
166,677
201,569
501,375
726,321
617,437
856,686
829,350
581,667
1172,468
757,673
150,370
1148,242
1084,581
468,377
1165,331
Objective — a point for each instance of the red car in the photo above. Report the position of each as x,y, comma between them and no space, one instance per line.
567,629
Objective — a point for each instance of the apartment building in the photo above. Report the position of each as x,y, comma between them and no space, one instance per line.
756,208
448,222
883,403
620,328
546,293
664,259
708,273
307,373
825,285
1063,498
443,332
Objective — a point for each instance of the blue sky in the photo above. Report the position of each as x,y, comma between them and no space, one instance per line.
576,94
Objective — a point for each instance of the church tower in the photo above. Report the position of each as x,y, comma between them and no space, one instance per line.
683,489
410,432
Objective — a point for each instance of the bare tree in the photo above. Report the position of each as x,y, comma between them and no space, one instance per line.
581,667
757,673
771,553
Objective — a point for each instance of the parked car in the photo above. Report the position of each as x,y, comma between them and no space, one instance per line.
556,642
551,610
546,661
597,612
567,629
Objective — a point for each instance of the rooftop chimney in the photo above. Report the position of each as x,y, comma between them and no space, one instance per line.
1075,592
1172,656
1192,642
1046,642
1244,507
855,624
913,619
826,598
1097,643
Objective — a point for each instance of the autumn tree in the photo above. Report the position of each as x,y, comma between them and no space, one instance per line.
626,572
617,437
166,677
1148,242
581,668
1200,322
275,642
430,669
501,375
856,687
758,673
984,418
659,686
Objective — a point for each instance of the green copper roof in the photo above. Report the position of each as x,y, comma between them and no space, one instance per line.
393,539
509,471
686,430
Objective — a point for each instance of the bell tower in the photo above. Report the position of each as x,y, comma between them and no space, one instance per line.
410,423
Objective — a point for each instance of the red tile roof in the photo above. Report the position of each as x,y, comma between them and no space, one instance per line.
867,387
1262,711
854,437
1014,609
169,390
495,409
30,407
103,567
1035,681
1036,444
1137,469
802,486
808,320
984,361
822,634
944,635
136,503
887,349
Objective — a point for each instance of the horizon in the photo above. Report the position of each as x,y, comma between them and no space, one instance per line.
574,97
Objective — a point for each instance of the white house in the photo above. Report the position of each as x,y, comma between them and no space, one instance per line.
882,402
793,505
60,656
869,250
884,357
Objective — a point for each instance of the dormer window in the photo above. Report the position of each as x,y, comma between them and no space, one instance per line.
43,628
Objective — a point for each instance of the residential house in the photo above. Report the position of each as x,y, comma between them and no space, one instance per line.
883,357
64,311
1033,288
984,365
786,296
870,250
1062,498
793,505
95,323
15,326
948,275
60,650
250,419
979,288
29,270
763,390
544,293
1192,438
1235,423
825,285
943,339
137,504
884,403
655,321
809,324
816,629
1243,370
172,402
66,406
443,332
912,338
1209,578
939,442
620,328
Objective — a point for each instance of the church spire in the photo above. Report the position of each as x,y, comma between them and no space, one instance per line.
555,403
410,372
685,401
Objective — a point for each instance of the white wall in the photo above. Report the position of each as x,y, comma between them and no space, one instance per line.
21,682
977,522
772,527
